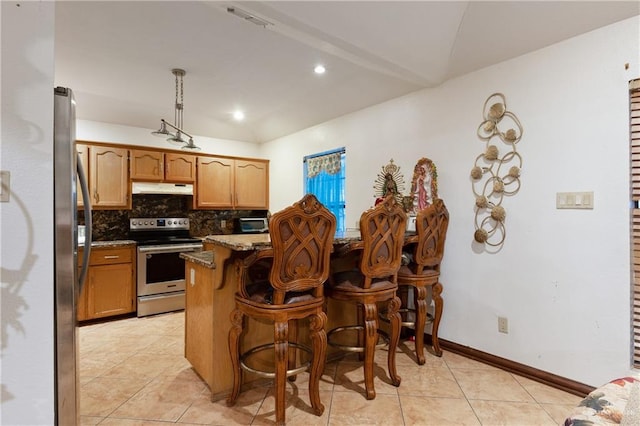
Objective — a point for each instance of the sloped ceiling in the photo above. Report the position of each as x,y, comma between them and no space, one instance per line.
117,56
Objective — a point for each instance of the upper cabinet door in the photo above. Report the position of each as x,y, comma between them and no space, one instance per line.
108,177
179,168
214,187
251,184
147,165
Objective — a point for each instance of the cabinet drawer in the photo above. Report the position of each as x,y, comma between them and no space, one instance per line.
110,256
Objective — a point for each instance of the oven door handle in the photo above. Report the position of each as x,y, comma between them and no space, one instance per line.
170,249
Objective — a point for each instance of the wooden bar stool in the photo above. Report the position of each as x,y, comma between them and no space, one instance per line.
302,241
423,272
375,281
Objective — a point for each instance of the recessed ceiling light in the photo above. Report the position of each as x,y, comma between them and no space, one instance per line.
238,115
319,69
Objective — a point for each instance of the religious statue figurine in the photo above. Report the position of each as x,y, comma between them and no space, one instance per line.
424,185
389,181
390,186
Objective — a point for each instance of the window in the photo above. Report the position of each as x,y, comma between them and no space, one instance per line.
634,138
324,175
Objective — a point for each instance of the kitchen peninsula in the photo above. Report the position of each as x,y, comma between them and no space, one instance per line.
210,298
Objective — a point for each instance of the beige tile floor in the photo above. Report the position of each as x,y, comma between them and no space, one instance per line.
132,372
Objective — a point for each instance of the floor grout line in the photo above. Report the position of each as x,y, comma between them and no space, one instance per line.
135,332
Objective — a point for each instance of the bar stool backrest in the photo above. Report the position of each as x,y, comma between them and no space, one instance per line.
431,225
302,240
382,231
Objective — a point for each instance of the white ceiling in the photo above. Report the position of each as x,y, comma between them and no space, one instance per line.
117,56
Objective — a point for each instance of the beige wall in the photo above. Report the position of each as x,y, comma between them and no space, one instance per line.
562,276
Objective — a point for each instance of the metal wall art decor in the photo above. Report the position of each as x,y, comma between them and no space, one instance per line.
494,174
389,181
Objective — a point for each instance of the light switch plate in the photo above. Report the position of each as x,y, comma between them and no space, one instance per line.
574,200
5,186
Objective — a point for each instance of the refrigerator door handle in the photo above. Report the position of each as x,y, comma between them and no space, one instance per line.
88,224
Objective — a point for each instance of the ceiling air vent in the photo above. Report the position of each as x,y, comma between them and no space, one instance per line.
248,17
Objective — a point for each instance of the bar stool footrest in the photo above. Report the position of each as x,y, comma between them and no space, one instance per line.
346,348
271,374
405,314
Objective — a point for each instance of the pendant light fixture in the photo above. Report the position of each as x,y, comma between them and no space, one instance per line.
177,137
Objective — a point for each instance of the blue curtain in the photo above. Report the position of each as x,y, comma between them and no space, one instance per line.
324,176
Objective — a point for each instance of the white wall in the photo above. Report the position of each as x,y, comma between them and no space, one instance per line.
562,276
26,265
113,133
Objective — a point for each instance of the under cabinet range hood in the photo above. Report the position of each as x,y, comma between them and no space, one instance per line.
162,188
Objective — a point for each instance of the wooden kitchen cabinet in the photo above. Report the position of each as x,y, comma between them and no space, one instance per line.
109,288
214,183
179,167
147,165
108,177
251,184
156,166
232,183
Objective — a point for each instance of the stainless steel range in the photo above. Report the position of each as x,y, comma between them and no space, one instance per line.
160,278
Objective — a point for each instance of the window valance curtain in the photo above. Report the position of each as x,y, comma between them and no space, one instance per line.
330,163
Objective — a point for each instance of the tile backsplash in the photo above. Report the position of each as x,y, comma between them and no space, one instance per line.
111,225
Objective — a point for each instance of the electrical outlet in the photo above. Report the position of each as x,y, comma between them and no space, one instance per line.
503,325
223,223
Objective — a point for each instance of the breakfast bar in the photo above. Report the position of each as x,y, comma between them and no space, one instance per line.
211,284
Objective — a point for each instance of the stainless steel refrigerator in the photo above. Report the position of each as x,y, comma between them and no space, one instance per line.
68,176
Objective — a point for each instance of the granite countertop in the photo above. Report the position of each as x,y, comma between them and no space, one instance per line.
241,242
348,236
246,242
203,258
113,243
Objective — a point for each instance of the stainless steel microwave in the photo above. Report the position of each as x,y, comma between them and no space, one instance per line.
253,225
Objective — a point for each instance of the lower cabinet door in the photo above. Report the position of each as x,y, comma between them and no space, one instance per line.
109,290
